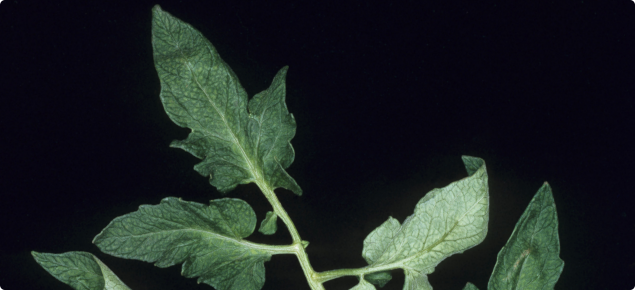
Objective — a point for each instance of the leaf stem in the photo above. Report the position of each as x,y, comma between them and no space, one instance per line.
325,276
303,258
334,274
273,249
279,210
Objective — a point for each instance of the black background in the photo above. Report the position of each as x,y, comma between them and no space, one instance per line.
387,96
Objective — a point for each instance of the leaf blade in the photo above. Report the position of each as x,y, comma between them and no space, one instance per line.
80,270
530,258
363,285
268,225
378,278
271,127
201,92
208,240
446,221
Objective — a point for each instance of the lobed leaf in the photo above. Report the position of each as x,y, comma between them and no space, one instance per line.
199,91
446,221
530,259
80,270
208,240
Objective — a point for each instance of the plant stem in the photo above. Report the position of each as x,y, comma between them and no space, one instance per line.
322,277
279,210
334,274
309,273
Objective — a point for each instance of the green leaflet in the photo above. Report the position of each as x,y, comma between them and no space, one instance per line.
363,285
80,270
208,240
199,91
268,226
446,221
530,259
416,281
378,278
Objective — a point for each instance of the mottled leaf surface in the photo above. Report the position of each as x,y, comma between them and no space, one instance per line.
446,221
530,259
208,240
239,141
80,270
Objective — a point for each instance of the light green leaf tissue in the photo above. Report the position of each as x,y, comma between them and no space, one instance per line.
80,270
239,141
208,240
530,259
446,221
268,225
364,285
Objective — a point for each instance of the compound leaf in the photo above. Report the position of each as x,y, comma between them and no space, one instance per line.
446,221
199,91
80,270
530,259
208,240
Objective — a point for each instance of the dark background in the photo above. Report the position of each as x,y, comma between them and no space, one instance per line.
387,96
